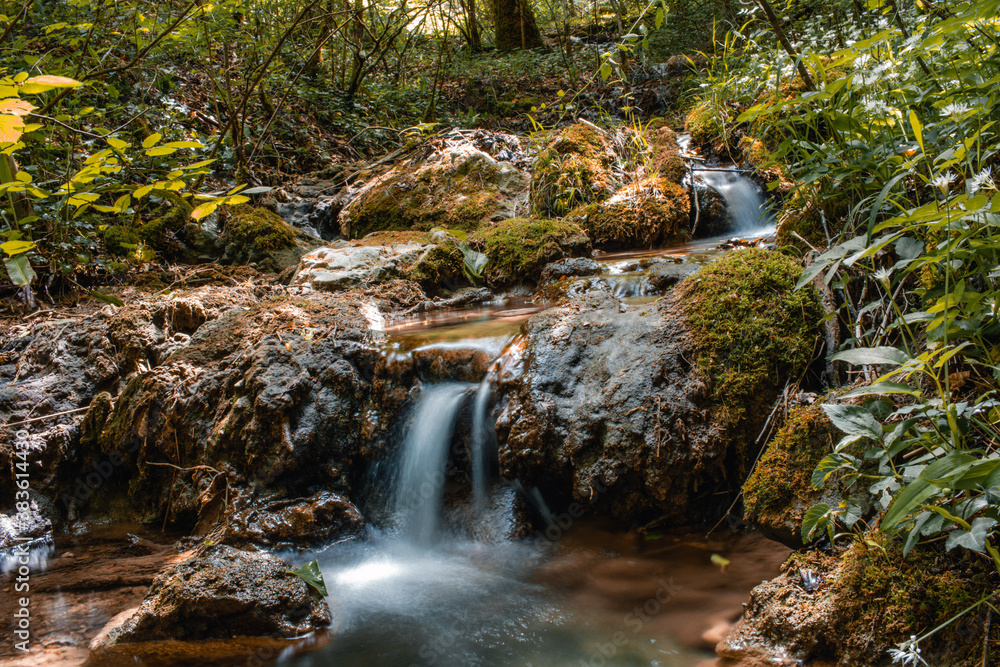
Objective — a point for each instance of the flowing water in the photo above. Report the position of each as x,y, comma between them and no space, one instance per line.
747,209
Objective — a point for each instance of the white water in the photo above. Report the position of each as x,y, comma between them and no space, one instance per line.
747,209
481,442
420,484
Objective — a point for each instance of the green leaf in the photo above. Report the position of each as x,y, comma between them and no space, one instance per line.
830,464
922,488
310,573
917,129
881,388
106,298
854,420
605,71
160,150
204,210
815,518
872,355
19,270
974,538
152,140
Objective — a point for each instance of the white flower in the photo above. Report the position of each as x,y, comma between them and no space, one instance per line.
954,110
882,275
983,179
943,181
907,653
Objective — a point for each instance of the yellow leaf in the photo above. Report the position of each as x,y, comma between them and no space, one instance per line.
16,107
152,140
11,128
16,247
55,81
117,144
159,150
143,191
236,200
204,210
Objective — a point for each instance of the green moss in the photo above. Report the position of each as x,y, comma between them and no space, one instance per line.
120,241
750,331
705,122
442,266
575,169
255,231
780,489
884,599
646,214
518,249
665,153
154,232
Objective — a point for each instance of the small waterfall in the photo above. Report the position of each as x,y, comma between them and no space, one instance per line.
747,209
420,485
481,445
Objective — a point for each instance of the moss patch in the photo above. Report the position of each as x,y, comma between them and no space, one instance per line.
253,231
441,267
883,599
118,239
706,124
575,169
649,213
519,249
779,491
750,330
665,153
391,238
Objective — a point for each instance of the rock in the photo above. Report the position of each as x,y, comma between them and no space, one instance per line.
519,249
869,599
571,267
225,593
260,236
578,167
455,187
451,362
713,214
297,522
664,275
646,413
332,269
646,214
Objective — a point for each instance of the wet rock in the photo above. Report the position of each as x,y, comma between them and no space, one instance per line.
225,593
645,214
455,187
664,275
645,412
296,522
444,362
571,267
713,215
332,269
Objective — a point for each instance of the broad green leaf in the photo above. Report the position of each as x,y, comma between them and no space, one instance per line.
974,538
854,420
19,270
830,464
117,144
814,520
864,356
236,200
142,192
311,574
880,388
152,140
605,71
920,489
918,132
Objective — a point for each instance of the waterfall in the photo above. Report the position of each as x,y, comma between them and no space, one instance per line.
482,440
747,209
420,485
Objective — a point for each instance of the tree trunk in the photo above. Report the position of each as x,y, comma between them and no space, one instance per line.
515,25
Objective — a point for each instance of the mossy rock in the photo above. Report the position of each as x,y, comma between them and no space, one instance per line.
519,249
757,156
258,235
706,125
778,493
439,268
120,240
646,214
665,153
749,328
884,599
461,190
576,168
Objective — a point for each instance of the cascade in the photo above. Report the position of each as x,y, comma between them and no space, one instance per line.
747,209
420,483
482,445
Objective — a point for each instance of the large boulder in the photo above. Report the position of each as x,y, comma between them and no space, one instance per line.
334,269
294,522
577,167
225,593
652,412
455,187
519,249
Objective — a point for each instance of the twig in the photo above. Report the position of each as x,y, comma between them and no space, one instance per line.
38,419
